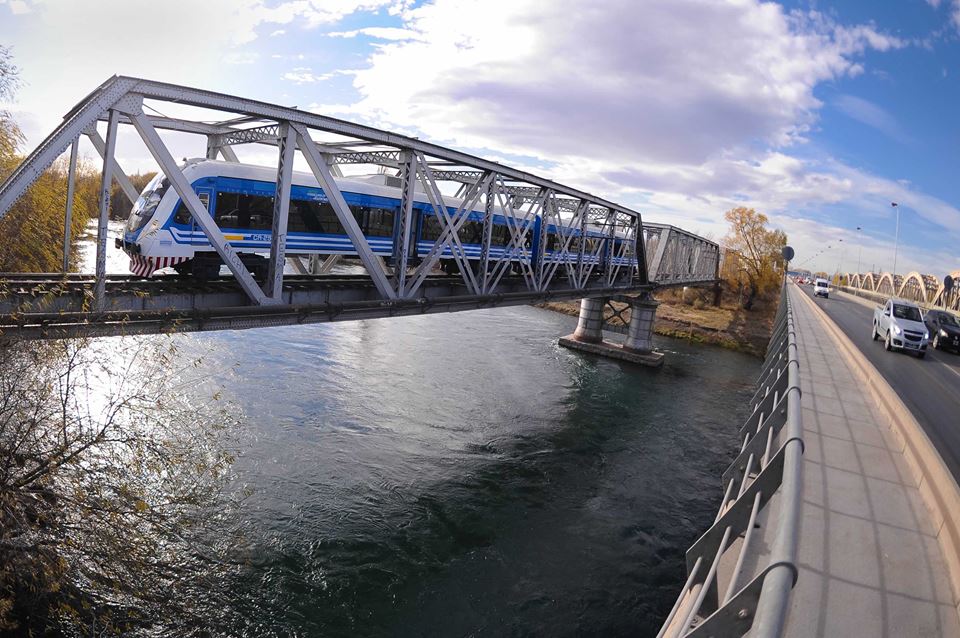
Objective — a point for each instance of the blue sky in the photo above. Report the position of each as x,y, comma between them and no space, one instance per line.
818,114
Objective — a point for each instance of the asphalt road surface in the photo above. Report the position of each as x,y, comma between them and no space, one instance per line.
929,387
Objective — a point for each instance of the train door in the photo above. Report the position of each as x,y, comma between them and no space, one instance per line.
206,197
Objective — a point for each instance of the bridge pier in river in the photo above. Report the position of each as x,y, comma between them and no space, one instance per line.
638,347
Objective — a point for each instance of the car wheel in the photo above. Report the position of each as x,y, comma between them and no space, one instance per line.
875,335
886,343
921,355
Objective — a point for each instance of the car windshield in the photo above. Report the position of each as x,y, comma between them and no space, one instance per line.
949,320
910,313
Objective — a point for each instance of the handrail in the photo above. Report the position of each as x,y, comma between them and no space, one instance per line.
768,469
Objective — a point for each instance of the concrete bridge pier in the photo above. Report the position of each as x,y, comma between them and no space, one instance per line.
590,327
640,330
638,347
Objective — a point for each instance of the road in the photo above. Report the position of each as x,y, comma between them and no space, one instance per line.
929,387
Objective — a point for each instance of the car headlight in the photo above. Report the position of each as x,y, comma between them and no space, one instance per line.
926,335
896,329
943,333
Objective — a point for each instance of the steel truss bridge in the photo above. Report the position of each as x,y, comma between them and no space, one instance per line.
56,305
927,290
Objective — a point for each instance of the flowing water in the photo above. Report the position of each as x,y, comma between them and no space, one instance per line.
462,475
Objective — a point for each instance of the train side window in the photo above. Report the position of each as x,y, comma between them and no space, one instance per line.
328,219
260,210
499,236
227,210
380,222
431,228
471,233
235,210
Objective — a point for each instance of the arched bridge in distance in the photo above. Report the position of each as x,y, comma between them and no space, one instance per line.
925,289
503,236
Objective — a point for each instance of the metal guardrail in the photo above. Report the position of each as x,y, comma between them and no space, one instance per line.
761,498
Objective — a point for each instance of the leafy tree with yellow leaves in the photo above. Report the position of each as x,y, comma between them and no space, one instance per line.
755,262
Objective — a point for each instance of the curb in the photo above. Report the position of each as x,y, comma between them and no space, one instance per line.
938,488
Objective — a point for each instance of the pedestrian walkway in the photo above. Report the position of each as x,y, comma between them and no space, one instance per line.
869,560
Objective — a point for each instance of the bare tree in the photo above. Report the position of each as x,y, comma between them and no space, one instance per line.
115,512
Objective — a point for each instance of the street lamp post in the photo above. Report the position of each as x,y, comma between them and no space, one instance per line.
859,249
840,265
896,240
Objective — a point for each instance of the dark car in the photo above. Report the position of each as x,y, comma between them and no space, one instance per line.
944,330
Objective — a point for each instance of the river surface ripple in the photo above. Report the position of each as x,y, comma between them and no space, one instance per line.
461,474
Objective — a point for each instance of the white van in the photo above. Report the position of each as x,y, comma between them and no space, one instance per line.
821,288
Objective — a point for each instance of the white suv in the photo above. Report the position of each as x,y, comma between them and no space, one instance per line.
821,288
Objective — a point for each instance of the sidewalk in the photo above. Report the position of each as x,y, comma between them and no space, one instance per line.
870,562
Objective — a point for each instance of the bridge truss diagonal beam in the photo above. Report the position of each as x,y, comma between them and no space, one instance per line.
423,172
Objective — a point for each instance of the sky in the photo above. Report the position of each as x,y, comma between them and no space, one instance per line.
818,114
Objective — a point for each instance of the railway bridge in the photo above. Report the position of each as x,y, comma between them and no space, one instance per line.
839,515
635,258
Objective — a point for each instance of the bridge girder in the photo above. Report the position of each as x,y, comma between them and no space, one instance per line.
423,168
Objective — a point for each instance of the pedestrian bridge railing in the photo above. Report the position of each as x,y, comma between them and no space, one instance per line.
741,571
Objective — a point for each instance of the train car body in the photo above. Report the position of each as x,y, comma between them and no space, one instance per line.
160,231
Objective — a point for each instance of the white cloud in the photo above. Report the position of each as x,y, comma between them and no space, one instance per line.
303,75
379,33
18,7
871,115
680,108
662,80
241,57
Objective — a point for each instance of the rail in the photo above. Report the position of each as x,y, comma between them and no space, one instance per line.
761,499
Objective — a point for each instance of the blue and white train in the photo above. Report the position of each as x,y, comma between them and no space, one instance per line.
160,231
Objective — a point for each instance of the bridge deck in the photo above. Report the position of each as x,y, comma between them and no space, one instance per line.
870,561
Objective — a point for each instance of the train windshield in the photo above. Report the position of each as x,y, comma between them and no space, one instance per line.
147,203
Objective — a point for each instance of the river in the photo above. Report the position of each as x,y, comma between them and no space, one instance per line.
461,474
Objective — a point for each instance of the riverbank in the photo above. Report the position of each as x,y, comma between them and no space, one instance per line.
727,326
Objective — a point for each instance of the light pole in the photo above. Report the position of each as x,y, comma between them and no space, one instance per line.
840,265
859,249
896,240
